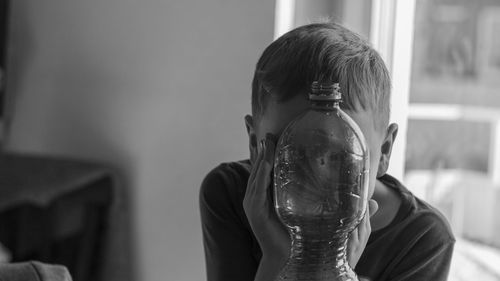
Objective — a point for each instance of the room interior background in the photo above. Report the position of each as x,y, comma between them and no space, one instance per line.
158,90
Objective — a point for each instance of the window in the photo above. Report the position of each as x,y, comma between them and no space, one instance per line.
454,118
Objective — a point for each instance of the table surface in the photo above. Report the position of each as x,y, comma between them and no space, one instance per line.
38,180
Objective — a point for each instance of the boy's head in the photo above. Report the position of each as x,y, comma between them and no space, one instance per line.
324,52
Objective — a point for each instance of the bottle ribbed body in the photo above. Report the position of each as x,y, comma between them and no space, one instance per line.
320,191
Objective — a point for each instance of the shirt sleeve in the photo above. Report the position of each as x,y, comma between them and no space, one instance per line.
428,257
227,242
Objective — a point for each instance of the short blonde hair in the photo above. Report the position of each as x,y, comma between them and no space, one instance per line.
325,52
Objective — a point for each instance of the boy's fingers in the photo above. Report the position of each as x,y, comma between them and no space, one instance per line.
261,152
372,207
255,167
364,228
354,235
270,146
263,176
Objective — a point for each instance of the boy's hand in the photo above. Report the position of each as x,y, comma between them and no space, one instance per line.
258,204
359,236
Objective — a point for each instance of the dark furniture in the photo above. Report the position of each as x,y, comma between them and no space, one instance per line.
55,211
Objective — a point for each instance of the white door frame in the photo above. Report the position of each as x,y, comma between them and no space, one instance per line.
391,34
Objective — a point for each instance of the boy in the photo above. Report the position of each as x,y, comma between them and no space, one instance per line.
401,238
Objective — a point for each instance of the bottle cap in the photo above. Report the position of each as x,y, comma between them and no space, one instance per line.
325,91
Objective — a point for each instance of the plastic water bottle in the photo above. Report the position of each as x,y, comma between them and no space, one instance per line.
321,187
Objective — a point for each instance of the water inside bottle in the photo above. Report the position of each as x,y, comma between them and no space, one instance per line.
320,195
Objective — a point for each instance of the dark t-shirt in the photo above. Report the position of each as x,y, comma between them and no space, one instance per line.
417,245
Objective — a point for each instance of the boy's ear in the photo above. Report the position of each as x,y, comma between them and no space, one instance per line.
252,137
386,149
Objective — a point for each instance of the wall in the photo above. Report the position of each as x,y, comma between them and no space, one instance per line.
353,14
156,88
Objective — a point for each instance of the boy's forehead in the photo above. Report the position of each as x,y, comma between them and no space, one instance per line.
278,115
365,119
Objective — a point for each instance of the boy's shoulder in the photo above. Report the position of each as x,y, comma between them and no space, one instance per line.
230,174
417,235
224,187
416,217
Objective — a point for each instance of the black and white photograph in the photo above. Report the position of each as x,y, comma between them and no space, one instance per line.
266,140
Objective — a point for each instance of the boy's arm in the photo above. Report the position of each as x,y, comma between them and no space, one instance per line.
227,243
